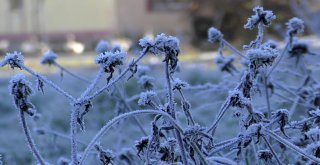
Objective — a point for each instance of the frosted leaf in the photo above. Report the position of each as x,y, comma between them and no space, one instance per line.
146,98
109,60
261,16
102,47
295,26
106,156
214,35
49,57
179,84
14,60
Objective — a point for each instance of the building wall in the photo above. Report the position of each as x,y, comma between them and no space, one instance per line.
58,16
134,17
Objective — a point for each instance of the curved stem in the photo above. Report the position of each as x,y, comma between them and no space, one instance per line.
29,139
106,127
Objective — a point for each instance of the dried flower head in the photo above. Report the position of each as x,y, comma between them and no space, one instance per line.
163,45
261,57
102,47
108,61
295,26
282,116
49,57
146,98
179,84
142,70
142,145
265,155
214,35
237,99
14,60
261,16
20,89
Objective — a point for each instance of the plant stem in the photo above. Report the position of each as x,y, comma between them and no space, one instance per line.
50,83
277,61
267,96
173,113
235,50
70,73
29,139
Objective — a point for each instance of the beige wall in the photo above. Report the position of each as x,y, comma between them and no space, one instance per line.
132,16
60,16
118,16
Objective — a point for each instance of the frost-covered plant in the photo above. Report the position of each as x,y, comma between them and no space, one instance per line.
178,135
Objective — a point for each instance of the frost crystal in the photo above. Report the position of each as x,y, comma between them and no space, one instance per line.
109,60
214,35
179,84
261,16
102,47
49,57
14,59
295,26
146,97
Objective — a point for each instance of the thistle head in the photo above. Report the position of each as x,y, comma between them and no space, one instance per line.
146,98
295,25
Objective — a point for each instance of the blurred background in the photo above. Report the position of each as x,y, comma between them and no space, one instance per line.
74,27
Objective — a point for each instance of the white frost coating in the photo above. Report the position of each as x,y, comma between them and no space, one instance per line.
214,35
49,57
18,85
102,47
178,84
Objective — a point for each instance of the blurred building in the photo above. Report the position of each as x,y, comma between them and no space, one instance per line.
27,23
